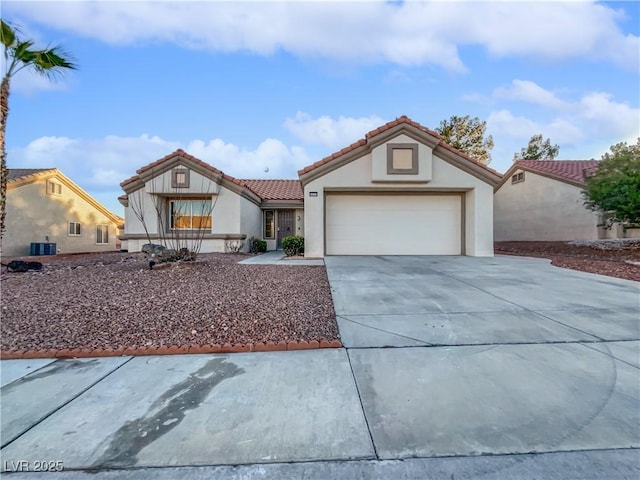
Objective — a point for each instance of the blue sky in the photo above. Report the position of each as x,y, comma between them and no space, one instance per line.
257,86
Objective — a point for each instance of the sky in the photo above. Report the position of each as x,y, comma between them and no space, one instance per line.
263,89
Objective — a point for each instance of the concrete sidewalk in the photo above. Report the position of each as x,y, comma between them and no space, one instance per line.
277,257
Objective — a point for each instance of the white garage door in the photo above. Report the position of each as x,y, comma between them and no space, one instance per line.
393,224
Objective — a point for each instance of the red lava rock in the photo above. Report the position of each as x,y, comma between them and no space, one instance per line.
595,258
220,302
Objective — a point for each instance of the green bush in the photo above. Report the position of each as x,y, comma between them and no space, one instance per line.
293,246
259,246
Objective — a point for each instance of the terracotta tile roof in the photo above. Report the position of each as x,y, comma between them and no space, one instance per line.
183,154
387,126
276,189
573,170
265,189
17,173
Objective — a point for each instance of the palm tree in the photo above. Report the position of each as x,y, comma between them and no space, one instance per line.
18,55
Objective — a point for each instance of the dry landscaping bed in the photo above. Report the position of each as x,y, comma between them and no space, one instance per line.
619,259
112,301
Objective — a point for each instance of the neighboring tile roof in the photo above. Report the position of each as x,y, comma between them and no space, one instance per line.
276,189
572,170
16,173
387,126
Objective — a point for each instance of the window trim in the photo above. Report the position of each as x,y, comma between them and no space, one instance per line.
517,177
78,229
56,188
191,201
106,226
273,225
414,158
174,178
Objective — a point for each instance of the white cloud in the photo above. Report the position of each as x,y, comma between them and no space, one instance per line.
580,126
333,133
595,114
407,34
99,165
527,91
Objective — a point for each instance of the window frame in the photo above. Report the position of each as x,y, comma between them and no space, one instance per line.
77,230
53,188
414,159
517,178
272,224
103,234
174,178
191,201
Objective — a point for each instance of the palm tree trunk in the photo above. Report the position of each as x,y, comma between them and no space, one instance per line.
4,113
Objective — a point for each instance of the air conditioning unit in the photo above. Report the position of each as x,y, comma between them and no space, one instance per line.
38,249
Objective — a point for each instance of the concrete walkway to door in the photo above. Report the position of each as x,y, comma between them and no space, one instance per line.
277,257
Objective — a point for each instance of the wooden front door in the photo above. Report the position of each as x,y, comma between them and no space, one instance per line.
286,225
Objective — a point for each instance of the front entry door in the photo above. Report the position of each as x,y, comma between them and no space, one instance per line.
286,225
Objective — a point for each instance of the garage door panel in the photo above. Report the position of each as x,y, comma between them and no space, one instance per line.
393,225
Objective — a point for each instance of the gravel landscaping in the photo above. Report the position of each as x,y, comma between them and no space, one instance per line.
113,300
615,258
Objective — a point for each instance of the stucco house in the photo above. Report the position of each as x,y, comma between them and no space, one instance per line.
182,194
399,191
46,207
541,200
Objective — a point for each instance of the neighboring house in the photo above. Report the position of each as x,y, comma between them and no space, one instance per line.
399,191
45,206
541,200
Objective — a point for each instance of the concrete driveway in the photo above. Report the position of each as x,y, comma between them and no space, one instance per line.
491,359
493,355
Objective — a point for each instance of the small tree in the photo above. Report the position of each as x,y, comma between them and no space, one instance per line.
538,149
615,187
18,55
467,135
178,225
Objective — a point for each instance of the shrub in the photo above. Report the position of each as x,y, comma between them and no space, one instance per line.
259,246
293,245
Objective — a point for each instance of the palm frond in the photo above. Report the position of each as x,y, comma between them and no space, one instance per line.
7,34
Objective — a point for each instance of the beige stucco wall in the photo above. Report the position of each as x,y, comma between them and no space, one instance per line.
232,214
251,221
33,215
445,177
542,209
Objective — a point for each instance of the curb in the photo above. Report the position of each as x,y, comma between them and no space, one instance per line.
170,349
